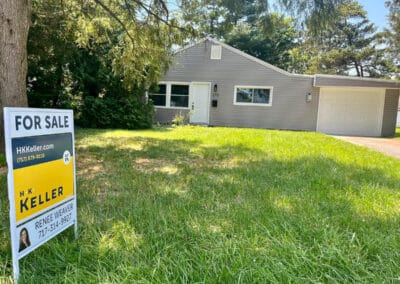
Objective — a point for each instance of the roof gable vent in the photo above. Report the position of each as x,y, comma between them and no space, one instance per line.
216,51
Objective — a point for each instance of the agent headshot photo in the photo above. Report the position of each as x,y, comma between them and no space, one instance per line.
24,241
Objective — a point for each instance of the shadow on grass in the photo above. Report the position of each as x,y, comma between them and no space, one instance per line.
176,211
80,132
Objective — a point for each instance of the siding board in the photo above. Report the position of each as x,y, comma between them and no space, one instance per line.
165,115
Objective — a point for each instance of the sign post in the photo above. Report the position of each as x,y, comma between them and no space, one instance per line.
41,177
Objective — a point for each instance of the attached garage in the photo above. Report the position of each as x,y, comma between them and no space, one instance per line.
356,106
351,111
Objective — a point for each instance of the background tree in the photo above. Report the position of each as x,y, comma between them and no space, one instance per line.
269,38
392,35
349,46
214,18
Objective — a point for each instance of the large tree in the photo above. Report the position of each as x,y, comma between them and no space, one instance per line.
393,33
269,38
14,27
218,18
349,46
140,31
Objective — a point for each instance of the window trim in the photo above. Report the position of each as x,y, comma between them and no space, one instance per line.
270,88
168,94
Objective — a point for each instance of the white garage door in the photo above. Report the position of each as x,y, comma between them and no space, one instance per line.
351,111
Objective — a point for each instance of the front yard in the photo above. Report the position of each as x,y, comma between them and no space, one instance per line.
222,205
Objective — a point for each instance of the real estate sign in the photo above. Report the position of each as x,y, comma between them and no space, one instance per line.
41,176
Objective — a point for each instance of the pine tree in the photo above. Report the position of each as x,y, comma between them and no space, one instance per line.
349,46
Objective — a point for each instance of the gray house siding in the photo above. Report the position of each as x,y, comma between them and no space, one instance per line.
166,115
289,109
390,112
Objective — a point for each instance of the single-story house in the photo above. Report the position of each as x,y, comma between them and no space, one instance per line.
218,85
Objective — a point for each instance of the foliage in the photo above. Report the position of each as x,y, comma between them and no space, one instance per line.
197,204
218,18
179,119
137,36
214,18
317,15
269,38
392,35
127,113
97,49
349,46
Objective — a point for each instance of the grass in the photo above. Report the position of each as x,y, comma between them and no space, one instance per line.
397,134
222,205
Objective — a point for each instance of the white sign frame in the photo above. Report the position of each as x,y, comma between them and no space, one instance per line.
35,124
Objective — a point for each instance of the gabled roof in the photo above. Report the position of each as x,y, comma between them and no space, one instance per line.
319,80
243,54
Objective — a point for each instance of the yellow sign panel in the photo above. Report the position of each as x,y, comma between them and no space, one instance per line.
49,183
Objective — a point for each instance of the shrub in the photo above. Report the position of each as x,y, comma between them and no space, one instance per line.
128,113
179,119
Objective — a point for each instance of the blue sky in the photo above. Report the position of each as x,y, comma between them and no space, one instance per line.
376,12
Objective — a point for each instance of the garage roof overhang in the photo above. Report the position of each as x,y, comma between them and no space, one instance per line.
345,81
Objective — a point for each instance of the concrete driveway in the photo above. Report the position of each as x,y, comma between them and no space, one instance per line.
388,146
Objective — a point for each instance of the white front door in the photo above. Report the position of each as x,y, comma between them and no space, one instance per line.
199,103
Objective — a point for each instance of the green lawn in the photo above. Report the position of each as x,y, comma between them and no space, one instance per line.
223,205
397,135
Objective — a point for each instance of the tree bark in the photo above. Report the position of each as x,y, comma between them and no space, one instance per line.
357,69
14,27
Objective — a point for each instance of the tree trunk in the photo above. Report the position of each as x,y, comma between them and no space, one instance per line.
361,70
357,69
14,27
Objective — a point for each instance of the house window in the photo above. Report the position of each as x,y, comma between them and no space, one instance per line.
171,95
179,95
248,95
160,98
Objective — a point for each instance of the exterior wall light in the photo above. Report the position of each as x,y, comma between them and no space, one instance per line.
308,97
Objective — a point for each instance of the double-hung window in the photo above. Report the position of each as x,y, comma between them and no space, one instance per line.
160,97
249,95
171,95
179,95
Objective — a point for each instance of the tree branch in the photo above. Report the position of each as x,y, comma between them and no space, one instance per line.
157,16
112,14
